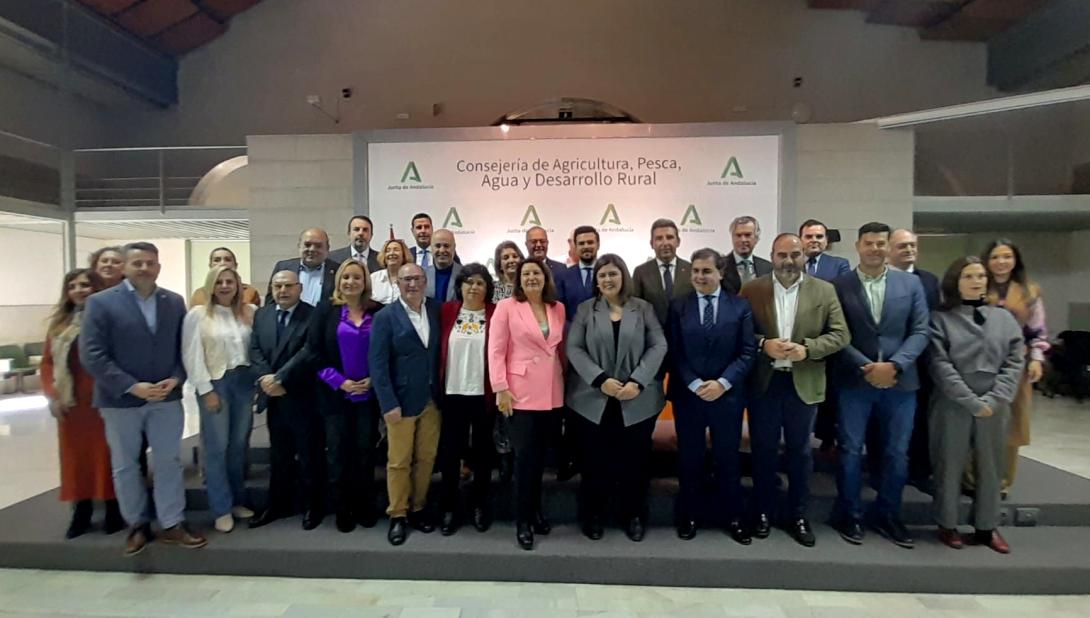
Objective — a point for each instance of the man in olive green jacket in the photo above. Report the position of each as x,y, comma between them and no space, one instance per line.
799,323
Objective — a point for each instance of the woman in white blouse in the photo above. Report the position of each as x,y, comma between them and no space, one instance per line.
215,352
384,288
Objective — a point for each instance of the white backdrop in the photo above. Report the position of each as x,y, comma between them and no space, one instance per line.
491,190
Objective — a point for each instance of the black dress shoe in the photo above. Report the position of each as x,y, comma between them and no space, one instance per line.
81,519
565,471
312,518
449,524
540,525
738,532
482,521
801,532
593,528
114,521
851,531
524,534
686,530
264,518
345,521
635,530
366,516
398,531
420,522
762,527
890,527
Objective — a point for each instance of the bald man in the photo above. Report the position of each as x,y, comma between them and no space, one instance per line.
442,270
316,270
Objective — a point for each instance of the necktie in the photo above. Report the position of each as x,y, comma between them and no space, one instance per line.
811,266
668,280
746,270
586,277
424,259
281,324
709,313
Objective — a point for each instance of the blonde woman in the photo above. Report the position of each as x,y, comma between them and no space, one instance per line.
395,254
215,352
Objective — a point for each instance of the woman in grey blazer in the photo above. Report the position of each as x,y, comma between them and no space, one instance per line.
976,362
615,347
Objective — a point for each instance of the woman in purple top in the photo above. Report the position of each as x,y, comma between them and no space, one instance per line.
338,338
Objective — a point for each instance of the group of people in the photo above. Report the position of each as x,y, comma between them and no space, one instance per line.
462,363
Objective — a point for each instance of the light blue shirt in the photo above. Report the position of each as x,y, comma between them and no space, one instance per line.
702,305
311,280
148,306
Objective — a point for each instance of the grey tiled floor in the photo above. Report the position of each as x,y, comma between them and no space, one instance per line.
28,466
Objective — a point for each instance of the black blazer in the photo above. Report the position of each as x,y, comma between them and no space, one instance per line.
338,256
295,264
931,289
287,358
732,282
323,350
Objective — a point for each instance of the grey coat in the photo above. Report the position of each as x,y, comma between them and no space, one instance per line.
975,365
636,356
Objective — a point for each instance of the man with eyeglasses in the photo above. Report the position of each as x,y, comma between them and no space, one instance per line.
537,246
404,362
286,385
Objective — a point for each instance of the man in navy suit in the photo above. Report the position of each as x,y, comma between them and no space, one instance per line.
710,332
903,253
131,345
877,378
537,246
576,284
404,363
815,240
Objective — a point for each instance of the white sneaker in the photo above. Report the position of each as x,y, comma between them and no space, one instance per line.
225,523
241,512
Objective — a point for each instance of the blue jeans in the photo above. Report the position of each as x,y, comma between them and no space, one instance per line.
894,411
162,423
225,436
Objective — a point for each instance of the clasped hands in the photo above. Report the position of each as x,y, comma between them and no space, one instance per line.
621,392
782,349
880,375
154,392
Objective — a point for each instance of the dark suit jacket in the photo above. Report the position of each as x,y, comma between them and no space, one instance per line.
732,282
323,350
571,291
931,289
404,373
295,264
448,315
899,337
556,267
286,358
647,284
118,350
342,254
726,351
830,267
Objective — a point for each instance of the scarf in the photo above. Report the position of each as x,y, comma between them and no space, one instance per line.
60,345
978,317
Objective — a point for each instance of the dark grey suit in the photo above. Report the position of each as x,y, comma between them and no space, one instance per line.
296,265
342,254
647,284
732,282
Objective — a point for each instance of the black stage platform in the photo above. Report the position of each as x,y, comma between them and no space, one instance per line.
1051,557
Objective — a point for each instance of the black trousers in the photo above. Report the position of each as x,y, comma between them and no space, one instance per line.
780,409
615,464
461,415
531,432
350,432
692,418
294,456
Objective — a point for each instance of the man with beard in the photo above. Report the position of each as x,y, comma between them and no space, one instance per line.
360,232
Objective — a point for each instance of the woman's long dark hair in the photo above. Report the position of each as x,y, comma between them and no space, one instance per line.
951,297
548,292
62,313
1018,274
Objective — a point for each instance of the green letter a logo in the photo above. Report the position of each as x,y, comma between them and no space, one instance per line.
732,169
530,217
691,216
610,216
452,220
410,173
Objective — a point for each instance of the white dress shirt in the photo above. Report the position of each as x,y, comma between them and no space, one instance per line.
383,289
418,320
787,304
311,280
212,347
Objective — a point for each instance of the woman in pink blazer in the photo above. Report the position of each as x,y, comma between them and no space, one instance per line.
526,368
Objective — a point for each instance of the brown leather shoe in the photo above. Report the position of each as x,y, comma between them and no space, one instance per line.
998,543
178,535
951,538
137,540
